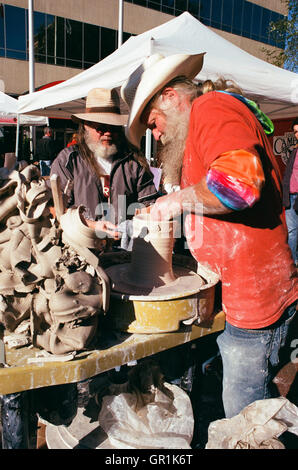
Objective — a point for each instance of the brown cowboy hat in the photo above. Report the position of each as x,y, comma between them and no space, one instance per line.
102,106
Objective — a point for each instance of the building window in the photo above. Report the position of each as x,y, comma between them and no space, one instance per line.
15,32
91,45
279,40
167,6
57,40
73,43
193,7
40,37
266,18
216,13
182,5
205,12
154,5
107,41
143,3
256,22
2,41
247,18
227,15
237,17
51,38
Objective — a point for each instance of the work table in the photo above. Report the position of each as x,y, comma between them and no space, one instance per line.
116,349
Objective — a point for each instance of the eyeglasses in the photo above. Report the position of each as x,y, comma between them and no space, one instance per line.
99,127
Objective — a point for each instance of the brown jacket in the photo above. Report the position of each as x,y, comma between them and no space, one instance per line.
128,178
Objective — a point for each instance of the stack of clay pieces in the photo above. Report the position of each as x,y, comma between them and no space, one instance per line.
47,282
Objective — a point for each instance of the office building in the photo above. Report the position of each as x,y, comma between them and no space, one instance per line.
72,35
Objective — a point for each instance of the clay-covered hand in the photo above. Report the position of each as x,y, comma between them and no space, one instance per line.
197,199
103,226
166,207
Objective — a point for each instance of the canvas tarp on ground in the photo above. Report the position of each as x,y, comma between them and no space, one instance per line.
275,89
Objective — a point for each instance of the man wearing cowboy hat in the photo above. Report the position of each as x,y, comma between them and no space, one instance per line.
231,190
105,174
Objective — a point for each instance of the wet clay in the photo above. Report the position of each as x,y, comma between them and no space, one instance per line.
151,272
151,258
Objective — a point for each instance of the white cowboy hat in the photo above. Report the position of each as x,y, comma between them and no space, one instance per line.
155,72
102,106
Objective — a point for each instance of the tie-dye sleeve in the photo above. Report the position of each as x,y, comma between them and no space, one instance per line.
236,178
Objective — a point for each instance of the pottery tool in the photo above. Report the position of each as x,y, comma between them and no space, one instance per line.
67,190
57,196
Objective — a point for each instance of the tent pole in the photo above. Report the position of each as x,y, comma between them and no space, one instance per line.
148,145
31,67
17,136
148,131
31,46
120,23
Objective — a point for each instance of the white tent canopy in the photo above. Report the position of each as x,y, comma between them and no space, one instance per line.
275,89
9,110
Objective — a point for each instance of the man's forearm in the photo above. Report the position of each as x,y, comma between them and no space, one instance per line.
196,199
202,201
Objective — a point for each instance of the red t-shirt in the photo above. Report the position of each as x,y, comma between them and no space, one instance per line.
247,248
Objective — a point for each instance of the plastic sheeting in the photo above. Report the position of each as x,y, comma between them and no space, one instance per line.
162,423
257,426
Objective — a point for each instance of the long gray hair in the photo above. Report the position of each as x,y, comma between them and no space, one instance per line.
194,90
220,84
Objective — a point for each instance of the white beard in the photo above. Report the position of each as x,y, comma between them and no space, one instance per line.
172,149
102,151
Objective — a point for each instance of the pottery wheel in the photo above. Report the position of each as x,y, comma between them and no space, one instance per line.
187,283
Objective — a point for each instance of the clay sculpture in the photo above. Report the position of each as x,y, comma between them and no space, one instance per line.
45,278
